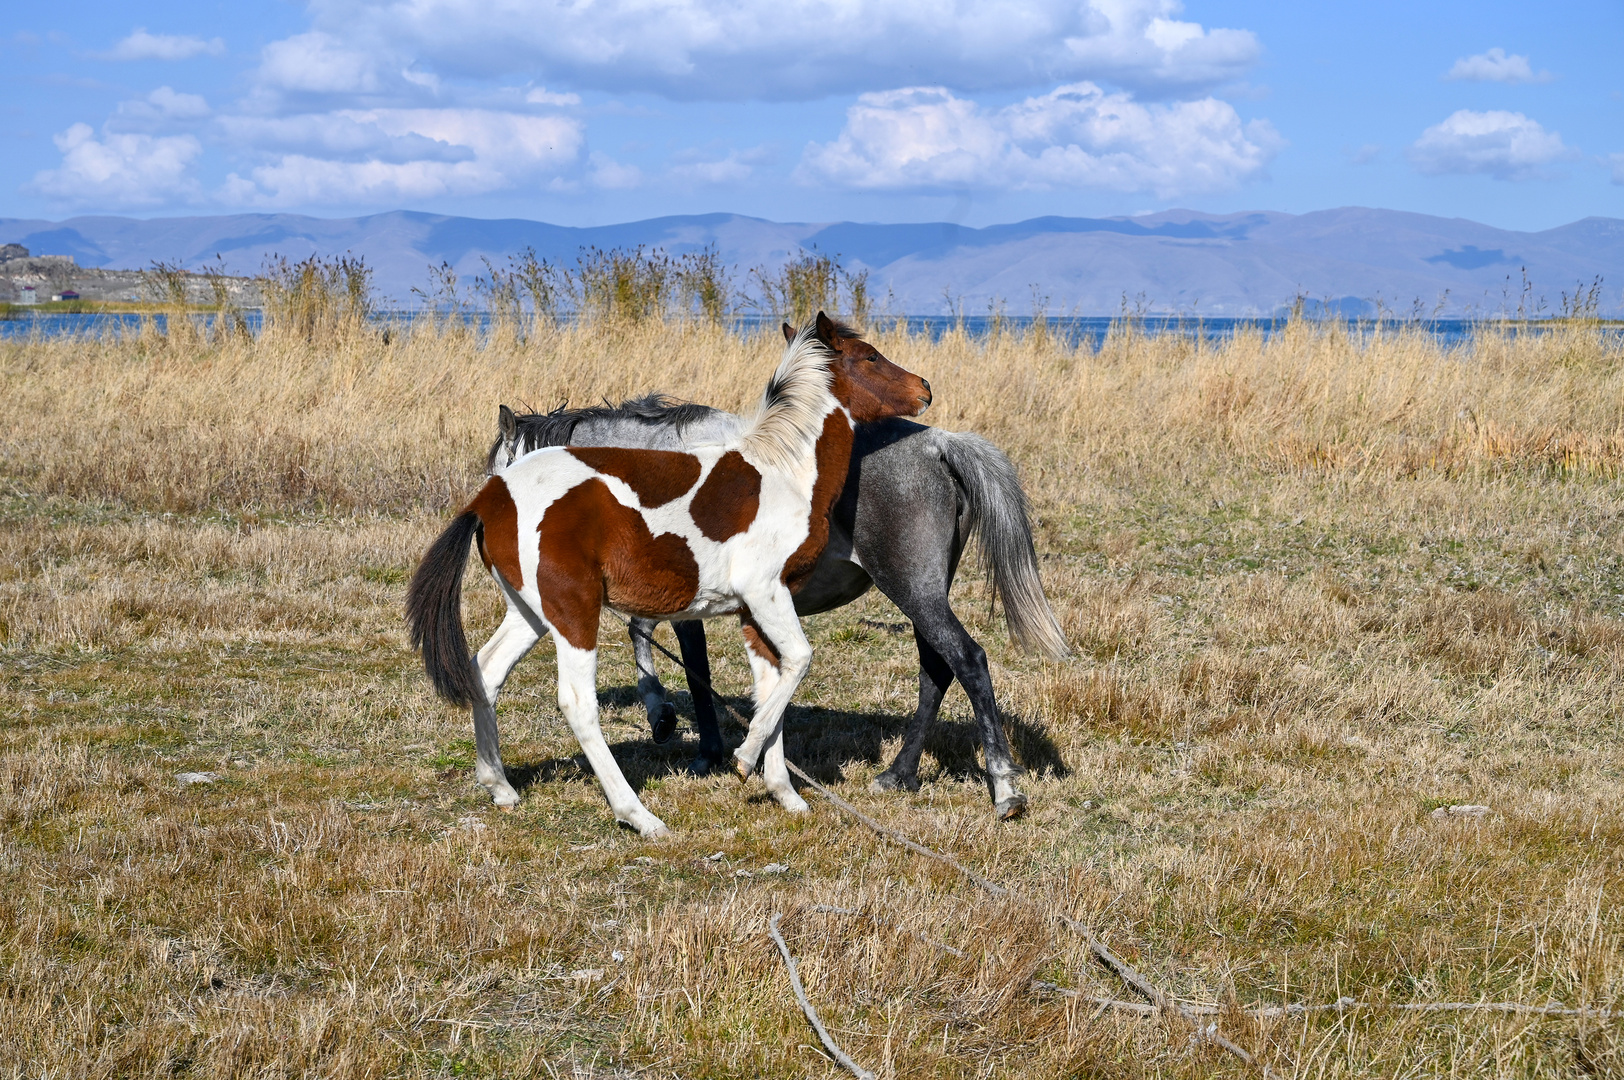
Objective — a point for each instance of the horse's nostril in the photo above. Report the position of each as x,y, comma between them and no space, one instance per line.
926,382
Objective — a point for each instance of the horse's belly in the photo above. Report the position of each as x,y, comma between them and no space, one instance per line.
835,583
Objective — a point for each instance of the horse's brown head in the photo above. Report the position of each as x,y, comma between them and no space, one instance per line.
865,382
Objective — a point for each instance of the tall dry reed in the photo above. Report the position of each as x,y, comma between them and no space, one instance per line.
334,412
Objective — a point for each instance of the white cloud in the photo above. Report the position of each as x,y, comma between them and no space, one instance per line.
726,50
318,63
541,96
370,156
162,107
737,167
611,175
1078,136
119,169
1504,145
144,46
1495,66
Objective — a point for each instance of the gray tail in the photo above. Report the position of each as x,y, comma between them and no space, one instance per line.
999,515
434,613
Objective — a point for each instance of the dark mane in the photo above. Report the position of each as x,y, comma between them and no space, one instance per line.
557,428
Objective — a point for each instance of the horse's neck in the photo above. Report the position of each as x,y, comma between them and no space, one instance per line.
830,459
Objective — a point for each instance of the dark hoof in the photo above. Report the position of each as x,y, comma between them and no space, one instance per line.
1012,807
890,781
666,725
702,765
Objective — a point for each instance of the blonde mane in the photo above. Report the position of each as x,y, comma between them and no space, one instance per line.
787,423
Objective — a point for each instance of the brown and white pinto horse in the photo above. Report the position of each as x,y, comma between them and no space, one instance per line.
660,534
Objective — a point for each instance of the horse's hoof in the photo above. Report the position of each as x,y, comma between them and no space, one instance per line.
701,765
890,781
792,802
742,769
666,725
504,796
1012,807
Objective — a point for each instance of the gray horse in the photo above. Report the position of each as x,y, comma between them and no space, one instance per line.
914,496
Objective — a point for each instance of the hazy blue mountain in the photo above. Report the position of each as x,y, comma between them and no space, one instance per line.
1179,260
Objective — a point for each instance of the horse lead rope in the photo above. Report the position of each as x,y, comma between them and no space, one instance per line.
1120,967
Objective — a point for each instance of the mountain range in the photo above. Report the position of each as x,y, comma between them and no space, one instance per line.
1353,260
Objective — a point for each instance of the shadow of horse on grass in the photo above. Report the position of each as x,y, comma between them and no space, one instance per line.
821,741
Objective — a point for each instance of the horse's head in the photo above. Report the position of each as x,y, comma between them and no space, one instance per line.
865,382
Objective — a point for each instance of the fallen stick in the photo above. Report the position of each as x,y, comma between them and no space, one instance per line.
806,1006
1346,1004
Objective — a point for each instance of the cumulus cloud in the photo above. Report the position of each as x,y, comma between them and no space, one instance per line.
361,156
1504,145
144,46
164,107
1495,66
1077,136
318,63
124,170
724,50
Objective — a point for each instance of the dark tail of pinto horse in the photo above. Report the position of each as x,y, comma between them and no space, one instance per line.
434,613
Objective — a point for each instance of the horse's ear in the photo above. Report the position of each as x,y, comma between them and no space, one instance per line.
789,333
826,330
508,423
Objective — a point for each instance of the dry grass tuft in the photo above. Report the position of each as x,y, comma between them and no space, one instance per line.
1319,586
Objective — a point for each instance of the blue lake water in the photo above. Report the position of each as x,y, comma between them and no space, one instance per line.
1087,331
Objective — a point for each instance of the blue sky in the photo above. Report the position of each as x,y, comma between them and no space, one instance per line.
872,110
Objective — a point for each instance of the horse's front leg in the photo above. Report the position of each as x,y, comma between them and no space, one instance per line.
773,621
662,715
578,698
496,659
764,666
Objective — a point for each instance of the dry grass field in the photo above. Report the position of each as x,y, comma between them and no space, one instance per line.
1318,587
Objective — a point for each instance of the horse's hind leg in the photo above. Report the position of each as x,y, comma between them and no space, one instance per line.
507,647
937,629
691,637
935,677
662,715
578,698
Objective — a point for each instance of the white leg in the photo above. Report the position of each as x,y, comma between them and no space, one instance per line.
507,647
773,770
776,774
578,698
775,615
